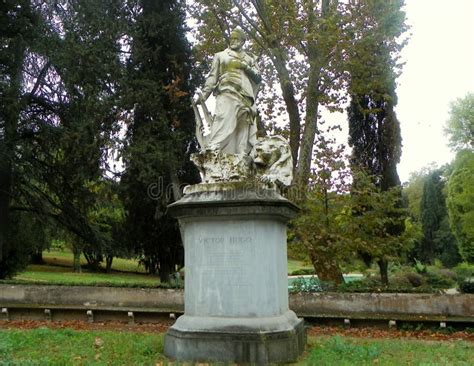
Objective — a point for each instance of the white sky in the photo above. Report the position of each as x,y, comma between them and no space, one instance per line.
439,69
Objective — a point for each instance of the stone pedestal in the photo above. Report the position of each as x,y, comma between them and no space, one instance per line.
236,290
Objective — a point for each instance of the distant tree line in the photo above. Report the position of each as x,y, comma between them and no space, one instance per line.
441,199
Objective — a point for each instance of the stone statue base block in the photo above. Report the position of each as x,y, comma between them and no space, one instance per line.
236,286
236,346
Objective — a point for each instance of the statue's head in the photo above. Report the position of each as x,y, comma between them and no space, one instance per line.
237,39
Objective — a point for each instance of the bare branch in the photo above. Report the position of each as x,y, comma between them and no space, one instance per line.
40,78
249,20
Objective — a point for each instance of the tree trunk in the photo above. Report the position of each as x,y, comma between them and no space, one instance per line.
76,251
291,103
108,263
165,270
326,268
383,266
37,257
310,129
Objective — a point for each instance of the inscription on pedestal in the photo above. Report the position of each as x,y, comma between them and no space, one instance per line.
224,269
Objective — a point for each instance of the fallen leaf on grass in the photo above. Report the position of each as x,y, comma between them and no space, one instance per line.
98,342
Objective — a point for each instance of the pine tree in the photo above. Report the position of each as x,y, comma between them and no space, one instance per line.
160,133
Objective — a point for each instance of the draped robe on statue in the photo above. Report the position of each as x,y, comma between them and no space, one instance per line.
234,129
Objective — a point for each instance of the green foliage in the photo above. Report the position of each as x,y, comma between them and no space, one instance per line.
160,133
425,197
467,286
460,203
421,279
320,227
413,191
107,217
446,245
439,280
460,125
397,284
374,130
464,270
302,284
334,225
415,279
67,81
25,236
378,220
303,272
432,209
18,26
420,267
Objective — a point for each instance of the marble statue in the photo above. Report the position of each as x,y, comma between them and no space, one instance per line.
234,79
234,230
232,152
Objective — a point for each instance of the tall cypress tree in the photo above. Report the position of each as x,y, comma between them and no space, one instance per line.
160,133
431,209
374,130
438,241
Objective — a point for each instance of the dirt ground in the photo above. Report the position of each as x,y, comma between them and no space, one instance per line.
313,331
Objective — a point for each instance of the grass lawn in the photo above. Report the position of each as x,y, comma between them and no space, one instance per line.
45,346
342,351
46,274
65,259
293,265
58,271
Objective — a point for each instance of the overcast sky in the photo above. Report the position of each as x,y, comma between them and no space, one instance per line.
439,69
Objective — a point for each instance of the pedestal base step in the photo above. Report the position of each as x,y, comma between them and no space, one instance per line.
233,346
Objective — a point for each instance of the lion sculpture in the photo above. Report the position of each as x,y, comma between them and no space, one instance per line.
273,161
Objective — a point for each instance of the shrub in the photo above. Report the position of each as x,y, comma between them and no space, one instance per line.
464,270
400,280
303,272
302,284
420,267
437,280
367,284
467,286
448,273
415,279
